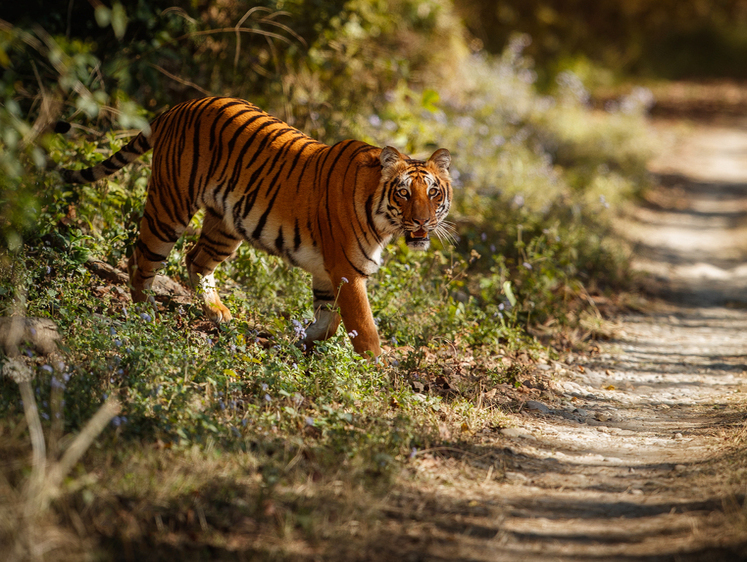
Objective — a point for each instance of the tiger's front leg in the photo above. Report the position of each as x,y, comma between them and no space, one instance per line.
357,316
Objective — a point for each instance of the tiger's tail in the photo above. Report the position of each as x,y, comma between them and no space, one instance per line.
126,155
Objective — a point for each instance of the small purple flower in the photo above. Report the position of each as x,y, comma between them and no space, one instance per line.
47,368
309,421
353,334
145,316
527,265
345,280
413,452
299,329
268,398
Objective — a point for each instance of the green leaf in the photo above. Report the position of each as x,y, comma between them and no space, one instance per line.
430,99
119,20
103,15
509,293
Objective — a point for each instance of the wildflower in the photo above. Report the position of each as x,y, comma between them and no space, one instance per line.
145,316
353,334
375,120
309,421
299,329
264,386
112,331
527,265
345,280
268,398
519,201
603,201
47,368
58,384
483,237
413,452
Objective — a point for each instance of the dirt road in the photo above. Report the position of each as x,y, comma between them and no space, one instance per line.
635,455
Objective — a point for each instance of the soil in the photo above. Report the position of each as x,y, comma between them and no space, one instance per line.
636,453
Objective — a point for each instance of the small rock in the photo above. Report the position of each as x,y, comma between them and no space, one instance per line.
678,436
517,432
516,477
538,406
680,468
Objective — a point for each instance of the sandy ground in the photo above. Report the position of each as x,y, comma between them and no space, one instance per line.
636,453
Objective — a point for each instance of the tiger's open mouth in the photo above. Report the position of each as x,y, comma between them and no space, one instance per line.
418,240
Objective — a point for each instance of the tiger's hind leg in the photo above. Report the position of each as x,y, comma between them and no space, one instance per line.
155,241
326,318
214,246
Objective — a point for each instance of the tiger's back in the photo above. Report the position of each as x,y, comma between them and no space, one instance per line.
324,208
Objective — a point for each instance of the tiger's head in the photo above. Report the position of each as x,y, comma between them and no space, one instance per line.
416,196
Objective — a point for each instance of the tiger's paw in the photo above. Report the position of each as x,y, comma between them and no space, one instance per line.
217,312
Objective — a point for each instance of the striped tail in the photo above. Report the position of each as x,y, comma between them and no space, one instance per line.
128,154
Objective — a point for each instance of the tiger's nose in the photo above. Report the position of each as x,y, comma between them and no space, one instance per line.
421,231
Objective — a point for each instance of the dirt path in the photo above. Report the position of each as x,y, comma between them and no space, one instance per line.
635,455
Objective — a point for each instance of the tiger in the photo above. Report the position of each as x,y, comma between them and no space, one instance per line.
330,210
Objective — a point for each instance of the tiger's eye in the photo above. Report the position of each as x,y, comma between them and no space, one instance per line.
403,193
433,192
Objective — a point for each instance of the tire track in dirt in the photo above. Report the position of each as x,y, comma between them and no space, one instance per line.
636,455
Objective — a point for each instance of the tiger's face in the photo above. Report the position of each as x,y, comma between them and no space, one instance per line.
416,196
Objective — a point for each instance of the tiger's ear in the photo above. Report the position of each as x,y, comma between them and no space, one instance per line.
442,160
389,157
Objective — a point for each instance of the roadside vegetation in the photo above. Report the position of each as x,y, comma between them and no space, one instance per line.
230,438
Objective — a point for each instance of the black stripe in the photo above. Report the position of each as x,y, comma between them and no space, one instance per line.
321,295
296,237
148,253
279,241
344,253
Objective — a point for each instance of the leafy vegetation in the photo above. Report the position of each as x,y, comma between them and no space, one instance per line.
228,424
606,41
